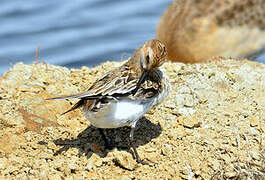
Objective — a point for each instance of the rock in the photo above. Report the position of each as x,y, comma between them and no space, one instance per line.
152,157
124,159
177,133
254,122
186,111
167,149
189,121
125,178
3,163
230,174
215,130
95,160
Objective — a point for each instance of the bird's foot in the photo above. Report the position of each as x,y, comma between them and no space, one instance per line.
138,160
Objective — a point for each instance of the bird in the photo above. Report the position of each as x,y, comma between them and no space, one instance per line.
195,31
122,96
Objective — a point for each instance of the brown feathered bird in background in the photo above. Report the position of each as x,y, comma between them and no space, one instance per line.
196,30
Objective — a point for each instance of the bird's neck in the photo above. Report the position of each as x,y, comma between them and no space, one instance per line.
134,61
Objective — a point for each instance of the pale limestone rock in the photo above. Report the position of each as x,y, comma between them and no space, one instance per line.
167,149
95,160
221,123
124,159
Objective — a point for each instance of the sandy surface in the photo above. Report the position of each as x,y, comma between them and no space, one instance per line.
211,125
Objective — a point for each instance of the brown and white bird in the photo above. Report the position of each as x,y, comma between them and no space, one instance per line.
195,31
122,96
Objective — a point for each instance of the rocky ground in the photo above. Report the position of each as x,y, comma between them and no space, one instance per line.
211,126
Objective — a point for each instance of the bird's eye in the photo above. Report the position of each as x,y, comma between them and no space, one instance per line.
147,59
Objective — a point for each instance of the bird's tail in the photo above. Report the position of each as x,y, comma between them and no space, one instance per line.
77,105
61,97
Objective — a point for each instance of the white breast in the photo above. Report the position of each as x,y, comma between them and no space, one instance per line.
117,114
127,110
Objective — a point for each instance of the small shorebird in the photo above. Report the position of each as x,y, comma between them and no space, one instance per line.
122,96
194,31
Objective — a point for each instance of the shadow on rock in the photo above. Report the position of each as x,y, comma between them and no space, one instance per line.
90,141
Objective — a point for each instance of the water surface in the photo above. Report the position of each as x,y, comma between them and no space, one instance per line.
75,33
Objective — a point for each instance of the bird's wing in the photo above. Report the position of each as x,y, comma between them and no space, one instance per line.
119,81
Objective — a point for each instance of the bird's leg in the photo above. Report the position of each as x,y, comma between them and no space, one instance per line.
107,143
138,159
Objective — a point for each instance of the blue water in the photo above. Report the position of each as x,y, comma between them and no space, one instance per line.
75,33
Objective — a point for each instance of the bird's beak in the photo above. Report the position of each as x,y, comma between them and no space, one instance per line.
141,80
